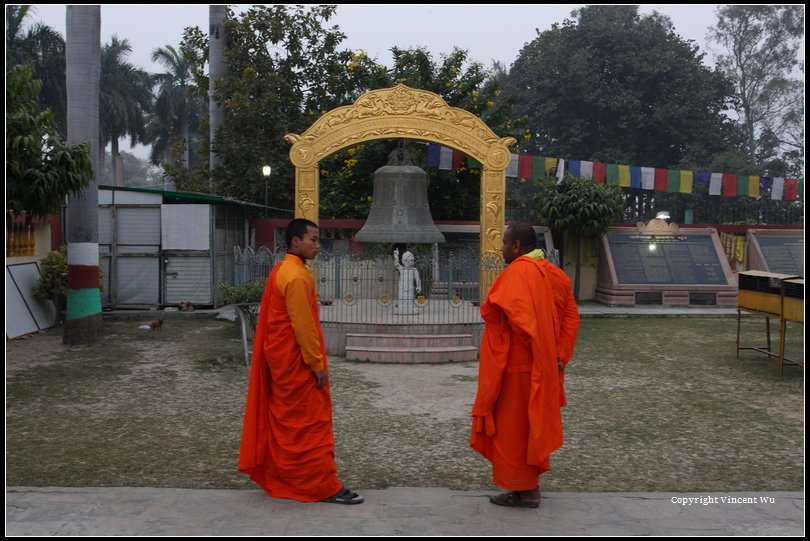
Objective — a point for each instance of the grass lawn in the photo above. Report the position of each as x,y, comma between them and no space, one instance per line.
655,404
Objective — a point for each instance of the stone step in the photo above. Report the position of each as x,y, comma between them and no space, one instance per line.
408,340
411,355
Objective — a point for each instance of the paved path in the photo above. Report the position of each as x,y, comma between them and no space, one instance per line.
394,511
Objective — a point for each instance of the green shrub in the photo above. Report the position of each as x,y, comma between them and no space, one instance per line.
247,292
52,283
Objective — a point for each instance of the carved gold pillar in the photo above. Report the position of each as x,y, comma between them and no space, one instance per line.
302,155
493,199
307,192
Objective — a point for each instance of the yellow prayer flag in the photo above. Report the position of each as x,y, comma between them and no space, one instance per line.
549,163
753,186
686,181
624,176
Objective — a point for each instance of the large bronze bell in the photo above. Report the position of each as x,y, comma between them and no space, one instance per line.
399,208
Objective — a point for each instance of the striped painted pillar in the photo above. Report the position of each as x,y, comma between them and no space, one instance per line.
83,323
84,294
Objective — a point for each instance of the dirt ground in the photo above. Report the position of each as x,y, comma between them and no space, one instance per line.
656,404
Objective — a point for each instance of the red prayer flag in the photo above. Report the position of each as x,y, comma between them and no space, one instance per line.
525,164
729,184
791,192
458,159
599,172
661,179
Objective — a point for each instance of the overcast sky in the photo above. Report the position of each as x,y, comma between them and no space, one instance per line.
490,33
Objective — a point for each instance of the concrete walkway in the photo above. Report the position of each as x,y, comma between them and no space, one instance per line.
395,511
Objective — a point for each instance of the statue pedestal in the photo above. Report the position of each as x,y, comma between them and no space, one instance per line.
406,307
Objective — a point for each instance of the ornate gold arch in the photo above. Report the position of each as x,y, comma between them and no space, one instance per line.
404,112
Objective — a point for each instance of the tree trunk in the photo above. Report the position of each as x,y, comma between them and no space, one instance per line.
216,70
184,135
577,266
100,151
114,158
83,324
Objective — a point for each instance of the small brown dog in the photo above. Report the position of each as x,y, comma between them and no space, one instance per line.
186,306
156,324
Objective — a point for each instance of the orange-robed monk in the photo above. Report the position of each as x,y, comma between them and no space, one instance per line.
531,322
288,447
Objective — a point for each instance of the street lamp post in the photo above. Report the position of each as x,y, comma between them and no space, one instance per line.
266,170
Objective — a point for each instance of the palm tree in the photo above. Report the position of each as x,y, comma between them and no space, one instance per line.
43,48
217,15
124,100
83,323
172,106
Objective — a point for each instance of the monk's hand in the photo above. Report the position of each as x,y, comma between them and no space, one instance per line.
560,365
322,378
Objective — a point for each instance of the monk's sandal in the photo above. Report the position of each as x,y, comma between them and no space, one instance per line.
345,497
513,499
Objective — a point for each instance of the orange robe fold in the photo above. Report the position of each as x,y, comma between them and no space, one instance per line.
531,320
288,446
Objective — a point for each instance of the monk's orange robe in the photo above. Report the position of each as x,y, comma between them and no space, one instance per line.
531,320
288,447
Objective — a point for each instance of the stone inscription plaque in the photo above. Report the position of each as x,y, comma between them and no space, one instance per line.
784,255
665,259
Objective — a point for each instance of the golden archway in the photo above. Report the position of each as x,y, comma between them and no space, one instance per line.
404,112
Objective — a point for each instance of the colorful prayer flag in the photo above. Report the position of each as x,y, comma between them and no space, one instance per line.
433,153
673,180
446,158
612,174
686,181
635,176
599,172
702,177
777,188
586,169
525,163
648,178
458,159
729,184
624,176
512,168
715,183
661,179
791,189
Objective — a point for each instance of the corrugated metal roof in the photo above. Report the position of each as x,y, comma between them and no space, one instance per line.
186,197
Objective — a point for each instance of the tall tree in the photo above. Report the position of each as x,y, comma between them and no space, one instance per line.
614,85
41,170
43,48
217,15
125,100
283,64
761,46
83,322
172,106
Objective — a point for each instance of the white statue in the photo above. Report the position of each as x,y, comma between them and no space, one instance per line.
408,278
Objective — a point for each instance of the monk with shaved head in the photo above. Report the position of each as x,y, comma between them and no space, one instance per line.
288,447
531,322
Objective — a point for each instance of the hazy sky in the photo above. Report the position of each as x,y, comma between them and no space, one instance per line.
489,33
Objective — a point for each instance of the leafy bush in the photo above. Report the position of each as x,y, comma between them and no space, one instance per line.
247,292
52,283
